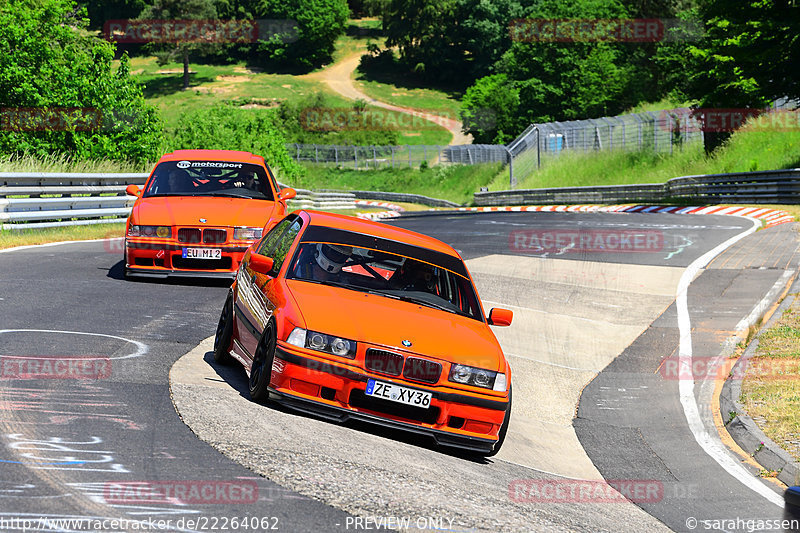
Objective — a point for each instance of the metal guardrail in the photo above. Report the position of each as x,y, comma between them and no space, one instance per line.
42,200
767,187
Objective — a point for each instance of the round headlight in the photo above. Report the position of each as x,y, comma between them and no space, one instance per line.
340,346
162,231
481,378
317,341
460,374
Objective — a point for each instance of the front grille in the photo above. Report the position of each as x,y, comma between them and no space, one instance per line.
383,362
202,264
417,414
189,235
214,236
422,370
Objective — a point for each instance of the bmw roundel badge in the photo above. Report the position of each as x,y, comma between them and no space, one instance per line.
406,343
203,220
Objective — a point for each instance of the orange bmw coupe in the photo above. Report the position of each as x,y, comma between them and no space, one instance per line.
198,213
352,319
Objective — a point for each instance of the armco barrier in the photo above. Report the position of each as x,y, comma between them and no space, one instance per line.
43,199
769,187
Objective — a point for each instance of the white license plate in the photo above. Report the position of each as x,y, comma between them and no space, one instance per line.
202,253
396,393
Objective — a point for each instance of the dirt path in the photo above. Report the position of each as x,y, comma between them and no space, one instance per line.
339,78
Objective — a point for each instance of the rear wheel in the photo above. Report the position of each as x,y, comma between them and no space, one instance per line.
222,340
503,428
261,371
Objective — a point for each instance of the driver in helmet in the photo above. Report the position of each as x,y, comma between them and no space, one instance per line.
323,262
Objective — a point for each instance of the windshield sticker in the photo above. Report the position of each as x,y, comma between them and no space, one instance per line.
208,164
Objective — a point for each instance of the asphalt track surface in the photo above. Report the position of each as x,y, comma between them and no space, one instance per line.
66,443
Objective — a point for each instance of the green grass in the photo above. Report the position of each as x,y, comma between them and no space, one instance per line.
748,150
771,387
401,89
10,239
210,84
456,183
63,163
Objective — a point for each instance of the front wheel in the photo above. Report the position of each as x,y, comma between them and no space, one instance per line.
261,370
501,435
222,340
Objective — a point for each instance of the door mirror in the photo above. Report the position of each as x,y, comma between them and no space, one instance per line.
287,194
133,190
261,263
500,317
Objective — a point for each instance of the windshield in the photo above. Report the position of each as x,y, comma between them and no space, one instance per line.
388,274
210,178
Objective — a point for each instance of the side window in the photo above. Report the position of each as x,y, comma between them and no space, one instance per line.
284,243
268,242
274,181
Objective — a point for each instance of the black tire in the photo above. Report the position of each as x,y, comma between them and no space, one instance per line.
222,340
261,371
503,428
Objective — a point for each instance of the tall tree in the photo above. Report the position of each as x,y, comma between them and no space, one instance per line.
59,92
749,57
169,10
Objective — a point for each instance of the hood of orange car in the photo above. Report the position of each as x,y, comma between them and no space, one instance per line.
188,210
375,319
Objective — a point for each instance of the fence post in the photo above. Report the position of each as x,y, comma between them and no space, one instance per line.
392,156
316,154
298,152
409,155
336,154
374,158
355,155
511,182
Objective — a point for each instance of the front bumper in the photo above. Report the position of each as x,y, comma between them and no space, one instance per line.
335,392
164,258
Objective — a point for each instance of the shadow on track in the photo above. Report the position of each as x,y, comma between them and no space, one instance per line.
236,377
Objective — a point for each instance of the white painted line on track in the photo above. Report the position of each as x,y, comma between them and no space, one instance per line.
712,446
141,348
762,306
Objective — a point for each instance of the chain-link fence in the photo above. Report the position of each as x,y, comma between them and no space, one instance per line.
366,157
660,131
663,131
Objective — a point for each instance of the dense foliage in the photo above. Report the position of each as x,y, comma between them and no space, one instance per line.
60,93
227,127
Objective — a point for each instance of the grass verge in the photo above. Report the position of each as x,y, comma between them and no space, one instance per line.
771,387
747,150
456,183
13,238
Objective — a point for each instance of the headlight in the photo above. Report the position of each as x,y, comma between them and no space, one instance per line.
478,377
243,233
322,343
163,232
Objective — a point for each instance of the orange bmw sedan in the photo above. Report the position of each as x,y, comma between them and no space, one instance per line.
352,319
198,213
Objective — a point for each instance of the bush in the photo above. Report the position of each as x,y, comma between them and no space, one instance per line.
60,92
227,127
